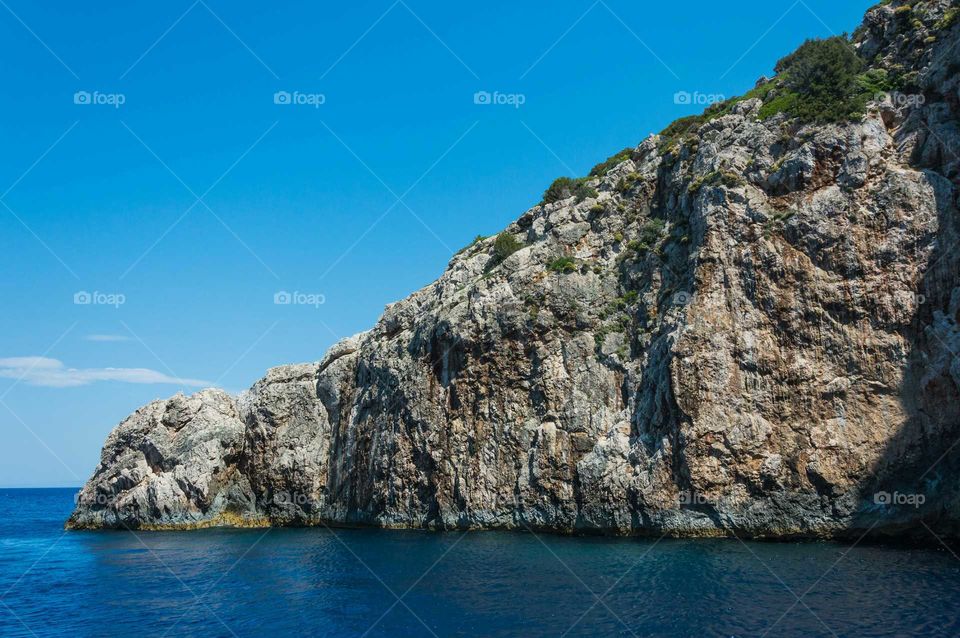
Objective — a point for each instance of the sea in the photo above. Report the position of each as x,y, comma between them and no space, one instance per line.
367,582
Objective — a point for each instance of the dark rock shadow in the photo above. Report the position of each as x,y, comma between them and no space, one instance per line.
914,491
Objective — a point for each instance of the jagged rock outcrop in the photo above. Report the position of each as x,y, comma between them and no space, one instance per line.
749,328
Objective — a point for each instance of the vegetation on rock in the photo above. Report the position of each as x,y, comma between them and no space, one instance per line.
604,167
565,187
476,240
820,81
503,246
562,265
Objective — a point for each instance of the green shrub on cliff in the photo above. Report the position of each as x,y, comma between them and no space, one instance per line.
680,131
950,18
604,167
819,82
560,189
651,231
505,245
562,265
476,240
565,187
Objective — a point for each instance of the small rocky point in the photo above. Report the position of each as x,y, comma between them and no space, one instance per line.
750,329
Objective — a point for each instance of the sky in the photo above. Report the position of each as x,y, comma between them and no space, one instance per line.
192,192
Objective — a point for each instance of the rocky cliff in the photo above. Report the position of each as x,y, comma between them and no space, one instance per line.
747,324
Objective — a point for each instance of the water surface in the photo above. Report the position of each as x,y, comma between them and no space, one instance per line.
396,583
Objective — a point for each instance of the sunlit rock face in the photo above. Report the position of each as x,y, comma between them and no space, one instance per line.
748,329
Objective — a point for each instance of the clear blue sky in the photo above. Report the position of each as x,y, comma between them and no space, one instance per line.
97,197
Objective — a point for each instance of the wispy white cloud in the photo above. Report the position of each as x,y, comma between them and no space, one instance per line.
107,338
51,373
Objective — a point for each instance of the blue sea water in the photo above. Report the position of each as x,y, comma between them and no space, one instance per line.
348,582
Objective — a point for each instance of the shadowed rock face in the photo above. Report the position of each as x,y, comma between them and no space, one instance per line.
757,337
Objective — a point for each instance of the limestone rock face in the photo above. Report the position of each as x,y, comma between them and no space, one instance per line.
757,337
172,463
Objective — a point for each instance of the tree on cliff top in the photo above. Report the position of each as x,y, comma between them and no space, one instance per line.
821,80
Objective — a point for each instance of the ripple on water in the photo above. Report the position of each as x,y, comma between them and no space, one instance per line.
346,582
